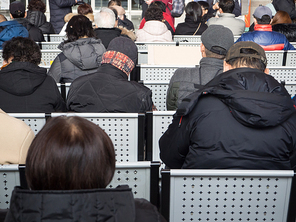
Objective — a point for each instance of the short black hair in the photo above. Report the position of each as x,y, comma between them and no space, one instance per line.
227,6
205,5
22,50
79,26
153,13
264,20
36,5
160,4
114,2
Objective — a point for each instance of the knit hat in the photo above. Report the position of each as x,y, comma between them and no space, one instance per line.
235,51
217,39
124,45
262,10
17,6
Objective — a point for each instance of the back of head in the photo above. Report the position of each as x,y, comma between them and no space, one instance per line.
22,50
281,17
84,9
114,2
160,4
204,5
122,53
2,18
194,10
105,18
17,9
217,47
153,13
247,54
70,153
120,12
37,5
263,15
79,26
226,6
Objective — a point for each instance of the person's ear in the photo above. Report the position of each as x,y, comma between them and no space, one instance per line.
25,15
203,50
271,20
10,15
266,71
255,21
226,66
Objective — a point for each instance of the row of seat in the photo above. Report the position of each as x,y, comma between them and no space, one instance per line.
196,195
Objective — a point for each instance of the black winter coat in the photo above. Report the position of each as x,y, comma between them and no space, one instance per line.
26,88
189,27
289,30
38,19
126,23
58,10
108,90
242,119
34,32
107,34
285,5
108,205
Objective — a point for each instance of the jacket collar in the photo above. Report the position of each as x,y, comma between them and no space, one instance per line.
227,15
261,27
111,70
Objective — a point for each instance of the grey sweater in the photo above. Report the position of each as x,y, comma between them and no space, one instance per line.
187,80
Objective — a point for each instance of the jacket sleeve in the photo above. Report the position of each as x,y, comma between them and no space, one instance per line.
172,96
147,102
55,70
288,45
64,3
60,105
174,143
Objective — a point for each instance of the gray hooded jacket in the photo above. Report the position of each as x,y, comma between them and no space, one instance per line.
78,58
187,80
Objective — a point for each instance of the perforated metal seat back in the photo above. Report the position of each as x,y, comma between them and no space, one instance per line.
161,122
134,174
49,45
122,128
159,73
218,195
274,58
159,92
9,176
291,58
48,55
34,120
283,73
54,37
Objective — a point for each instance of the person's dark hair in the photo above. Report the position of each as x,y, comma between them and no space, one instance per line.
114,2
281,17
211,54
247,61
160,4
22,50
18,14
227,6
153,13
264,20
79,26
194,10
70,153
204,4
37,5
115,13
84,9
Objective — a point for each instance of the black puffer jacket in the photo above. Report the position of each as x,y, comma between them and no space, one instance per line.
241,119
289,30
38,19
108,205
285,5
108,90
34,32
25,87
189,27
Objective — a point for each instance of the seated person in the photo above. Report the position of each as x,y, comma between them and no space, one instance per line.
24,86
16,137
167,18
227,18
154,29
193,24
263,34
108,90
35,15
68,167
81,52
282,23
287,6
106,29
122,20
18,13
242,119
10,29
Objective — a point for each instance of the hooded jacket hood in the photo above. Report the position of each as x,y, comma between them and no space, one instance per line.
36,17
85,53
254,98
155,28
21,78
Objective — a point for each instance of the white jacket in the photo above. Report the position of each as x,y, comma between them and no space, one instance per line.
154,31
